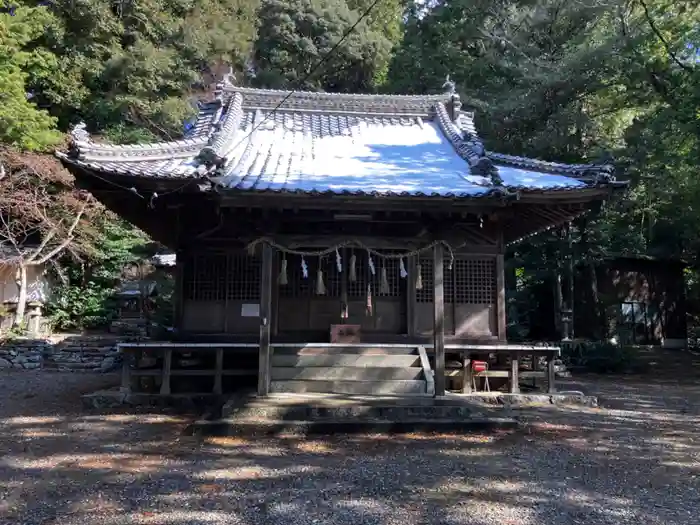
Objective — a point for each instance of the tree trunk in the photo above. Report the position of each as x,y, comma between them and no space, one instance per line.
21,281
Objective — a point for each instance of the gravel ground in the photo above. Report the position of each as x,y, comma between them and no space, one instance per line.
637,460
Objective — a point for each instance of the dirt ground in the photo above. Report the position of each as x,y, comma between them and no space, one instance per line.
635,460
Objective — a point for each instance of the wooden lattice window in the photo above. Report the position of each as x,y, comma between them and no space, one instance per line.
244,274
221,276
204,277
475,281
471,281
425,295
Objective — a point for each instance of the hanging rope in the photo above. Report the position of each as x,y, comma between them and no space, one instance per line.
350,243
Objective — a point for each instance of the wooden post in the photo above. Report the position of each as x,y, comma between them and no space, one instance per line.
439,319
468,374
165,375
126,372
411,296
218,371
265,315
500,298
551,386
513,376
570,272
178,294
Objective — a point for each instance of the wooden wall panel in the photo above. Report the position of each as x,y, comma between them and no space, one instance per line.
204,317
475,320
292,315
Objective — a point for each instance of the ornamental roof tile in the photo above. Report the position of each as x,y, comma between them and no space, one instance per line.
267,140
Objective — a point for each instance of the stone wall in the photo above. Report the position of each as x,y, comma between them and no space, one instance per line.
69,353
26,355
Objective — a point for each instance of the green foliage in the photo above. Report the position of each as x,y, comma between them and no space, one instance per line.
80,306
22,123
135,63
603,357
85,299
295,35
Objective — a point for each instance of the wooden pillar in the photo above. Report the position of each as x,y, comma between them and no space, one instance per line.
570,276
179,294
439,319
500,298
218,371
265,316
127,359
468,376
165,373
514,375
551,386
411,295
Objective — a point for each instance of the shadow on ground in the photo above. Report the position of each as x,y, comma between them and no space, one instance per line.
636,460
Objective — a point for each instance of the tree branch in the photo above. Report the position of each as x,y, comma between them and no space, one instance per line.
658,34
69,235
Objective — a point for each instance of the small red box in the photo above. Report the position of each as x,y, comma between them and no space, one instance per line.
480,366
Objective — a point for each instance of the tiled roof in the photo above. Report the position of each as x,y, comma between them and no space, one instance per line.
338,143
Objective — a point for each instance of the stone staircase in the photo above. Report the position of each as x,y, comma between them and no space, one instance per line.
355,370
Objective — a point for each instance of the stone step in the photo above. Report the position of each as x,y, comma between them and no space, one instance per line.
389,361
367,411
350,387
346,373
257,427
349,350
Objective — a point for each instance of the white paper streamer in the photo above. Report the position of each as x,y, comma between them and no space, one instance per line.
282,279
402,269
304,268
338,261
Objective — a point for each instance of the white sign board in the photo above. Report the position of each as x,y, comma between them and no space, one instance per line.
250,310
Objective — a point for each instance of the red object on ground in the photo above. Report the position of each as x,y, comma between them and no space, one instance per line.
480,366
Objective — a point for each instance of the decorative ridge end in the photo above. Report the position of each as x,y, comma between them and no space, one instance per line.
226,83
449,87
468,146
79,135
208,158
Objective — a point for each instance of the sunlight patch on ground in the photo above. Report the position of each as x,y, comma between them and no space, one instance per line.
136,464
32,420
228,441
254,472
180,516
315,447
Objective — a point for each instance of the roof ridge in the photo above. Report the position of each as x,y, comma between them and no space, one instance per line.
284,100
320,94
579,171
84,148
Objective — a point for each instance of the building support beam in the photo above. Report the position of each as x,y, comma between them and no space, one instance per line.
439,319
501,325
265,350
